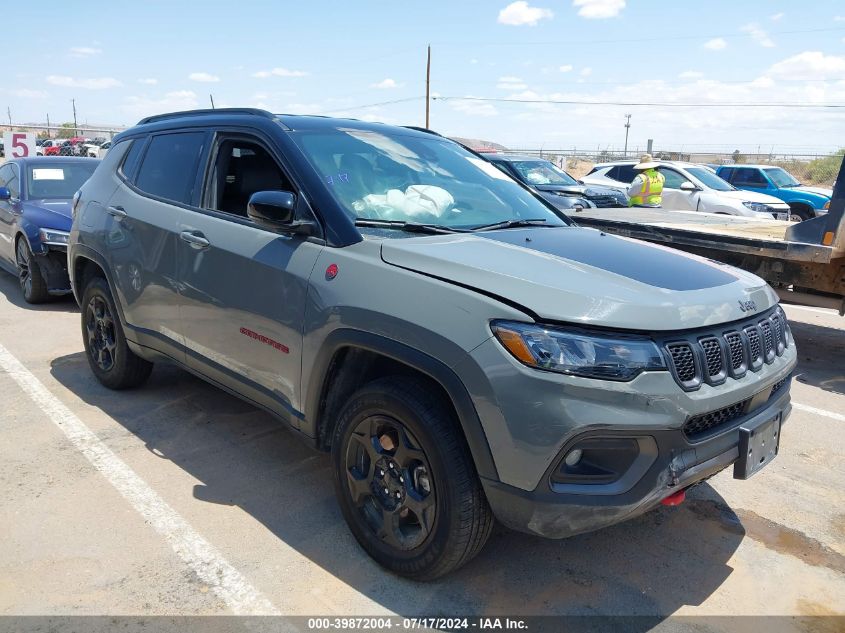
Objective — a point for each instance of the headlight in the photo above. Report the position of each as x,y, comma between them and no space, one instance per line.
51,236
826,205
759,207
608,357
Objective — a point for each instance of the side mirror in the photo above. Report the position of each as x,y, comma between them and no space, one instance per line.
688,186
5,194
274,210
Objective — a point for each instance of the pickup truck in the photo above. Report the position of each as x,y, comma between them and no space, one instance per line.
804,202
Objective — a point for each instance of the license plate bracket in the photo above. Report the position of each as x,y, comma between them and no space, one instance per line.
758,445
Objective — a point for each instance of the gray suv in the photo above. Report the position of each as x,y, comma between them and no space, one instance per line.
463,350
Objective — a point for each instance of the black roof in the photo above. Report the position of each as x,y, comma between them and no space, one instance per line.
288,122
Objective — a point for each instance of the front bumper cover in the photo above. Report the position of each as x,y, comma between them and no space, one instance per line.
555,511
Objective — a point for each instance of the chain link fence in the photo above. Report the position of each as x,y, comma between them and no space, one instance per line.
809,169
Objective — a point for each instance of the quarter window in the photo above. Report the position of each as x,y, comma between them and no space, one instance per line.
623,173
130,160
169,167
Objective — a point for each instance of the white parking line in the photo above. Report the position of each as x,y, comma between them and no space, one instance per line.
830,414
200,555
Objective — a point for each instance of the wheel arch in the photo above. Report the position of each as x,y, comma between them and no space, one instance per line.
84,264
350,358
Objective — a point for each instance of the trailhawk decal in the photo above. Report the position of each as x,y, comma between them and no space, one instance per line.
263,339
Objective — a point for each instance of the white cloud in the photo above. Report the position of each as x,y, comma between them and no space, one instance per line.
586,72
716,44
149,81
809,65
26,93
171,102
520,13
758,35
511,83
565,68
473,61
98,83
691,74
279,72
204,77
474,108
84,51
386,84
776,17
598,9
839,18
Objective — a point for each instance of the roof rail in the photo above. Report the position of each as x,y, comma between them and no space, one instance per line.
421,129
175,115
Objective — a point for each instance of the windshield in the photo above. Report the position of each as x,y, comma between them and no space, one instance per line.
57,181
781,177
377,175
542,172
709,179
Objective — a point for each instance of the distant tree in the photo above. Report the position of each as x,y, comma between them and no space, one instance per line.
738,157
66,130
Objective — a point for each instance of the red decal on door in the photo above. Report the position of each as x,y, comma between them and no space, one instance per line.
263,339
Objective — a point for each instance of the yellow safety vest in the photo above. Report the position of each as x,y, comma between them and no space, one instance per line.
651,192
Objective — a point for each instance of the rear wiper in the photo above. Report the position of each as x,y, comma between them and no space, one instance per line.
410,227
509,224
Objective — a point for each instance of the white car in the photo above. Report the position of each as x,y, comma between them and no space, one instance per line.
92,150
691,187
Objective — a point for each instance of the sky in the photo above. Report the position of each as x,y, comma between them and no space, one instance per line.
366,59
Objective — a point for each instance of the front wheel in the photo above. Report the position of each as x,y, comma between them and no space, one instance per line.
113,363
406,482
799,213
29,274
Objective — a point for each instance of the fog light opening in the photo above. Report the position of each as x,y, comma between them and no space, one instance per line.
573,457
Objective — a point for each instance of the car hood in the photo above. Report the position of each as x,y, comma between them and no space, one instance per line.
582,190
750,196
820,191
51,214
580,275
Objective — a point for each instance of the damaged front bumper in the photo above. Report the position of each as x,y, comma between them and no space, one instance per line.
52,263
652,466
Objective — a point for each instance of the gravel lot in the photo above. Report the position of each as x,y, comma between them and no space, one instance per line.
219,510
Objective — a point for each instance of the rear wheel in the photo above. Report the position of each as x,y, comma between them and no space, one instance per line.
29,274
406,482
113,363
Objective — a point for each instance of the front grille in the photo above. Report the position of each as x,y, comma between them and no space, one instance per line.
713,356
604,202
683,360
737,350
700,425
705,424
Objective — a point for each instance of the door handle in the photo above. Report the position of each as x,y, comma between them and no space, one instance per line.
117,212
195,239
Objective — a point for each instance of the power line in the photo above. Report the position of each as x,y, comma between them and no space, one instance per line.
371,105
644,103
621,40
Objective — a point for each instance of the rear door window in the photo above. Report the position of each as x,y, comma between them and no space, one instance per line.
623,173
726,173
169,167
749,177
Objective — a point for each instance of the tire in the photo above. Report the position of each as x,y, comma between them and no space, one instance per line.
113,363
396,435
32,282
799,213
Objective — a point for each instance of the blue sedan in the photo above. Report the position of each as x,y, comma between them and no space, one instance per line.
35,207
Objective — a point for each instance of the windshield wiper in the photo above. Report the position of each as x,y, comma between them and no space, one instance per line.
510,224
410,227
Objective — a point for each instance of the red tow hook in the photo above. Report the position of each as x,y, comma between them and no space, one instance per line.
675,499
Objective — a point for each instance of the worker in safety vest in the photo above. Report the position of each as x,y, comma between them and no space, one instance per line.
647,188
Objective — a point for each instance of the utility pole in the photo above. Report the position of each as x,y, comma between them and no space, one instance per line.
75,130
211,98
427,87
48,125
627,127
9,112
